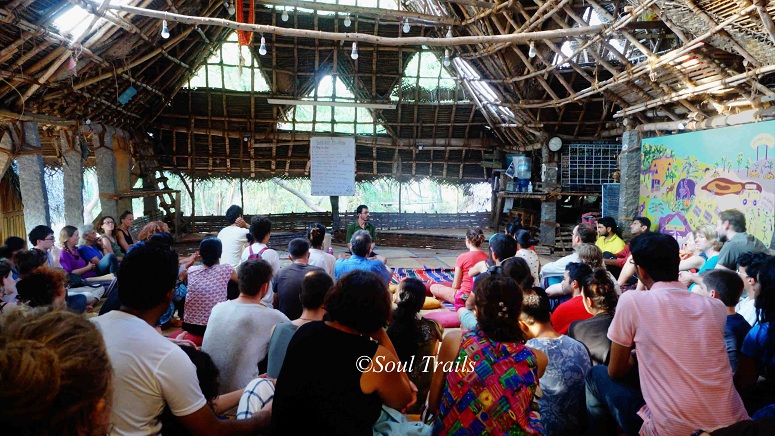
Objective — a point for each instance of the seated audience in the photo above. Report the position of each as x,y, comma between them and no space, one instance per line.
151,372
108,238
238,331
525,244
691,257
462,282
588,254
415,338
317,257
206,287
8,294
486,379
582,234
731,229
12,245
234,237
599,298
562,403
90,251
640,224
42,238
748,266
514,267
342,393
727,286
609,236
151,229
360,244
707,245
70,259
43,286
667,327
757,356
55,375
123,235
287,283
261,231
314,288
573,309
502,247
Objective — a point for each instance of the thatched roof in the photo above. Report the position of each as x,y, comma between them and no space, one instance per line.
647,60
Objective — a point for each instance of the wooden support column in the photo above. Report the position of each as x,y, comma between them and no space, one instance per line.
106,171
7,151
31,180
123,159
150,204
629,188
72,169
335,224
549,207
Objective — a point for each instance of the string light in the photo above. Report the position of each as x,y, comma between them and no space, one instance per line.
262,48
347,21
446,60
165,31
449,32
354,53
230,8
532,52
284,17
407,28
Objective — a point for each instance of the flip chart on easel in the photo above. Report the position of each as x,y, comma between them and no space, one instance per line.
332,165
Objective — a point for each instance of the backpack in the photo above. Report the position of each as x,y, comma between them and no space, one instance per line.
256,255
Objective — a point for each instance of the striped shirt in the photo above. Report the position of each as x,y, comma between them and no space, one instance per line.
679,342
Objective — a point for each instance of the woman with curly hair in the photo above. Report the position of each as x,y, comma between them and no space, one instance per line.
151,229
488,371
43,286
600,298
55,375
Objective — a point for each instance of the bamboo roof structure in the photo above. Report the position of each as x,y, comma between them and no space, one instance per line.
519,73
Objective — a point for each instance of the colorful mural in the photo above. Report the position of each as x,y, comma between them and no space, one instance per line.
687,179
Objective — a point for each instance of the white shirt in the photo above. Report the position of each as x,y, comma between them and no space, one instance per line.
747,309
323,260
270,256
234,240
558,266
237,338
149,371
531,258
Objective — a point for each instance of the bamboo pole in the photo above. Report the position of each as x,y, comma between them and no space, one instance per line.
769,26
365,38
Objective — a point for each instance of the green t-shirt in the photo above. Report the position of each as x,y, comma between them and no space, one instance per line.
737,245
354,227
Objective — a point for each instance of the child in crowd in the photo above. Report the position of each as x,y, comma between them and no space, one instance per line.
727,286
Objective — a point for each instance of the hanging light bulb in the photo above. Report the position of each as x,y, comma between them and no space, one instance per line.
354,53
284,17
347,21
262,47
449,33
165,31
231,9
407,28
532,52
446,60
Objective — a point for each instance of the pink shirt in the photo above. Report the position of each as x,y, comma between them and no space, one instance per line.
206,288
679,341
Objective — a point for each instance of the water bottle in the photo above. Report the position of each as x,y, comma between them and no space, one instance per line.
530,187
331,250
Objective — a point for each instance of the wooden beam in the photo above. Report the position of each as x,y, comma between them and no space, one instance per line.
522,38
361,11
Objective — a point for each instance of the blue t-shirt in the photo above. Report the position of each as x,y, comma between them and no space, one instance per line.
734,334
343,266
563,404
88,252
755,347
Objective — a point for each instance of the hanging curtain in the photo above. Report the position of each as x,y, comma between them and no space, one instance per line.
245,37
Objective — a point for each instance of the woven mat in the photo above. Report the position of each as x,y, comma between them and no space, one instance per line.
430,275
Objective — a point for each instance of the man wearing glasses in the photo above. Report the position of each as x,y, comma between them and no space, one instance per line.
42,238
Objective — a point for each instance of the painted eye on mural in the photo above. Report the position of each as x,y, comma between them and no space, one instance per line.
754,202
745,202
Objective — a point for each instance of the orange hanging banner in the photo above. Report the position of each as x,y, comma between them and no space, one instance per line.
245,37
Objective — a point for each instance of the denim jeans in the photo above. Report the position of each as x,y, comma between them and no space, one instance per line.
611,402
107,265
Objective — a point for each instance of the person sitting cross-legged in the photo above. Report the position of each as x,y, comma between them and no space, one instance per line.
286,285
238,332
360,244
562,405
678,339
727,286
573,309
149,370
90,250
599,298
